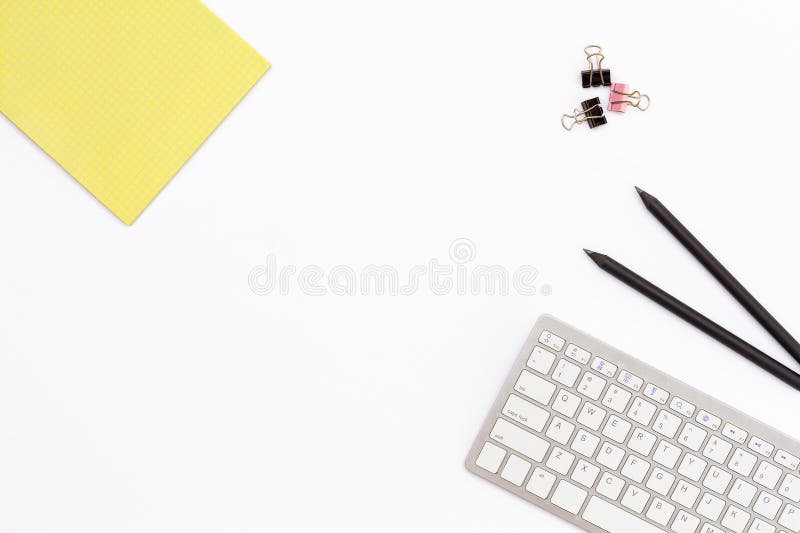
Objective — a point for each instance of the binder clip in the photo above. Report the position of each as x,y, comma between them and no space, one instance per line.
592,114
596,75
621,97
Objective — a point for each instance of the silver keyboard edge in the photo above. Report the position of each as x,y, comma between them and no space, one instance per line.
631,364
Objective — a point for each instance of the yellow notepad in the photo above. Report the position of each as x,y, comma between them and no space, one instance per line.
120,93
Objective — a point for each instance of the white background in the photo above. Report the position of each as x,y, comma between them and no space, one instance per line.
145,388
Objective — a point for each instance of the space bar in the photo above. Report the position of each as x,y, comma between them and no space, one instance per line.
615,520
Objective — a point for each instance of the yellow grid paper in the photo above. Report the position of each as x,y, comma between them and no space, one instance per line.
120,93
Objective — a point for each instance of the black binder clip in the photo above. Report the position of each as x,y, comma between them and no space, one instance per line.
596,75
592,114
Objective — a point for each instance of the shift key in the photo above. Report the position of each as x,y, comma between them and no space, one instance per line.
519,440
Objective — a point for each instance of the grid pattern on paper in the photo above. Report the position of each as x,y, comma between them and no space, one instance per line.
121,93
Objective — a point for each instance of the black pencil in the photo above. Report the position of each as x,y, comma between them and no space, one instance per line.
722,274
696,319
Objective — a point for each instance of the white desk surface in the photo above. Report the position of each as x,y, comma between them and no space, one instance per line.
145,387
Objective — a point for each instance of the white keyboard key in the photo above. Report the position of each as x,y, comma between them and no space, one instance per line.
708,528
585,443
656,393
551,340
610,485
767,475
568,497
710,506
609,517
491,457
717,480
685,494
667,424
681,406
759,526
642,411
535,387
660,511
742,493
591,416
516,470
540,483
660,481
734,433
525,413
667,454
616,398
635,498
692,467
577,353
708,420
635,468
541,360
717,449
790,488
692,437
630,380
742,462
767,505
760,446
786,459
591,386
560,460
735,519
585,473
604,367
560,430
616,429
566,373
566,403
610,456
790,518
520,440
685,522
642,442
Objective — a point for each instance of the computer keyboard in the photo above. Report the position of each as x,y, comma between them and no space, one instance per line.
611,444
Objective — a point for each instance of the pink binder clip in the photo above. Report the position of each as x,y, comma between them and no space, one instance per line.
621,98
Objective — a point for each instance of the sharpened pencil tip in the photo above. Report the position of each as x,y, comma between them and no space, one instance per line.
596,257
645,196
